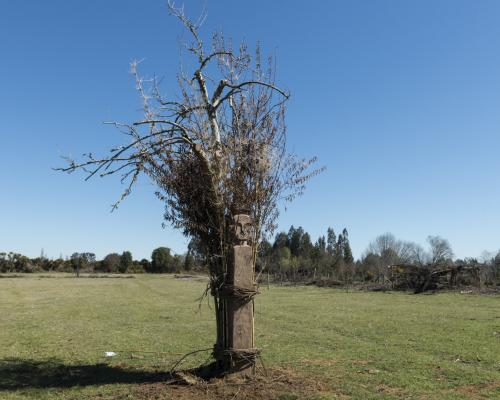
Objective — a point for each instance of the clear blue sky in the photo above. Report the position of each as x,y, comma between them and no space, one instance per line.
400,100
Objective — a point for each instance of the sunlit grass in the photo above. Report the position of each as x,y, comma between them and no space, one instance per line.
363,345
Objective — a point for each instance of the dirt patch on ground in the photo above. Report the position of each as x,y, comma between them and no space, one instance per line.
394,392
480,391
273,384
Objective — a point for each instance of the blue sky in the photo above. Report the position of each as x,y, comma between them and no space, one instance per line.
400,100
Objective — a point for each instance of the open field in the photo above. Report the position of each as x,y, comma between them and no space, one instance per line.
54,331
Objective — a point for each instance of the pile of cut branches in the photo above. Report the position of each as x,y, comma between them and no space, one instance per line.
421,278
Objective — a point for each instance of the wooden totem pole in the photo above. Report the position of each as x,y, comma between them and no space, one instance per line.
239,291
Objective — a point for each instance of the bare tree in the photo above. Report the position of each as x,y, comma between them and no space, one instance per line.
216,150
391,251
440,249
418,255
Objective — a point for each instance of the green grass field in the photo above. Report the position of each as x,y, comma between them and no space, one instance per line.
360,345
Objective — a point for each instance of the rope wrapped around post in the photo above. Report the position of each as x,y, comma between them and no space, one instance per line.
249,355
239,293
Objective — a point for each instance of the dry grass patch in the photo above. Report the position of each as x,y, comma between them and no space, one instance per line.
275,383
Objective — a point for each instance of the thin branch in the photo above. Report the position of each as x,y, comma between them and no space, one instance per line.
237,88
215,54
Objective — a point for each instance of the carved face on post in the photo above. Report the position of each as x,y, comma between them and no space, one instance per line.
243,229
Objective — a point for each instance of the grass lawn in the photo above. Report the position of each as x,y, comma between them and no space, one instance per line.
54,331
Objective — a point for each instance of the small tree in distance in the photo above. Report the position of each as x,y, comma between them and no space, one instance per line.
216,150
111,262
161,260
126,261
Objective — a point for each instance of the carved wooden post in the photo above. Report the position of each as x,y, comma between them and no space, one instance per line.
239,291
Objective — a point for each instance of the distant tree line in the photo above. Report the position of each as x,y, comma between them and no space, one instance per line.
386,253
162,261
294,257
291,257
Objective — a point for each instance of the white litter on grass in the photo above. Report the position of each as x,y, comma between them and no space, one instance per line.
110,354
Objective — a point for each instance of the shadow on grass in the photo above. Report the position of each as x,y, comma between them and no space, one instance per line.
25,374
